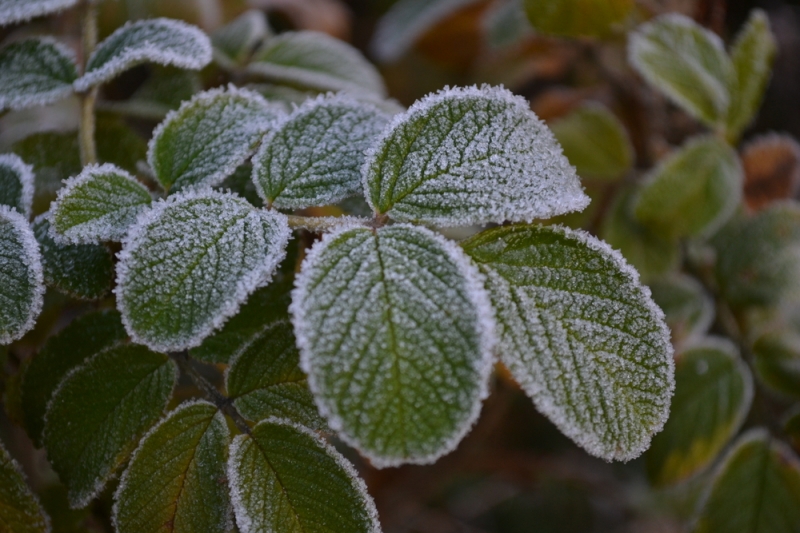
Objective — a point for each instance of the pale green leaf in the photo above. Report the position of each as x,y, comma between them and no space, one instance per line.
286,479
35,72
713,393
395,333
687,63
314,157
55,156
20,510
757,489
579,18
176,478
162,41
694,191
84,271
16,184
165,89
241,183
506,25
80,340
580,334
203,142
317,61
237,40
470,156
21,279
752,54
689,309
777,362
190,262
97,205
265,380
14,11
595,141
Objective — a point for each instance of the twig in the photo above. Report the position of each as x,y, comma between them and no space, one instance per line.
323,224
86,128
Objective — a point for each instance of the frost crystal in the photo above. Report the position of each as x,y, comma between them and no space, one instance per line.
203,142
97,205
162,41
470,156
314,156
395,332
21,278
13,11
189,262
16,183
35,72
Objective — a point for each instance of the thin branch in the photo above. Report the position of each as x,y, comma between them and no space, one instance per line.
323,224
87,124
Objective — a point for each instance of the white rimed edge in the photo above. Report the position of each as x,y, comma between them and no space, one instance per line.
206,97
76,234
85,499
255,279
12,14
35,270
485,326
26,178
175,412
243,521
148,52
15,465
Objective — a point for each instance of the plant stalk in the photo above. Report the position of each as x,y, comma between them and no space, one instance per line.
323,224
87,121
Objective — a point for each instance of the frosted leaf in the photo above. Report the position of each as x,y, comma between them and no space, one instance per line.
468,156
713,394
203,142
694,191
84,271
579,18
314,156
686,62
235,41
265,380
16,184
20,510
190,261
162,41
688,308
21,279
35,72
99,204
176,478
580,334
285,478
13,11
395,334
316,61
98,413
407,21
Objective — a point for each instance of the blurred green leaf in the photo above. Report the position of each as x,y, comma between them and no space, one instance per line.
163,90
579,18
20,511
118,144
237,40
688,307
55,156
16,184
791,425
505,24
777,361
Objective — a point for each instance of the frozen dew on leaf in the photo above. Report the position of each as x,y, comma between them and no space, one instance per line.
14,11
35,72
314,156
467,156
16,184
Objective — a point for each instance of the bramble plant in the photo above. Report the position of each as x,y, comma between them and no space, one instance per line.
381,332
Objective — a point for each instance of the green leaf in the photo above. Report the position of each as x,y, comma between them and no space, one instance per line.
16,184
506,25
470,156
98,413
235,41
35,72
176,478
791,426
395,334
285,478
55,156
580,334
118,144
312,60
687,63
265,379
595,141
14,11
80,340
689,309
758,258
190,262
241,183
752,54
83,271
162,41
579,18
713,393
777,362
97,205
20,511
204,141
757,489
21,279
314,157
165,89
693,191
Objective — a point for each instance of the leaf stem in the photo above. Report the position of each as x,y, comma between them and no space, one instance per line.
323,224
87,123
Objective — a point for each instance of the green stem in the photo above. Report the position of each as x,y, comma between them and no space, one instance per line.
87,123
323,224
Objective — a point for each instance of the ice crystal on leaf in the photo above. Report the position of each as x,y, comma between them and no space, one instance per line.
470,156
35,72
314,156
13,11
16,183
